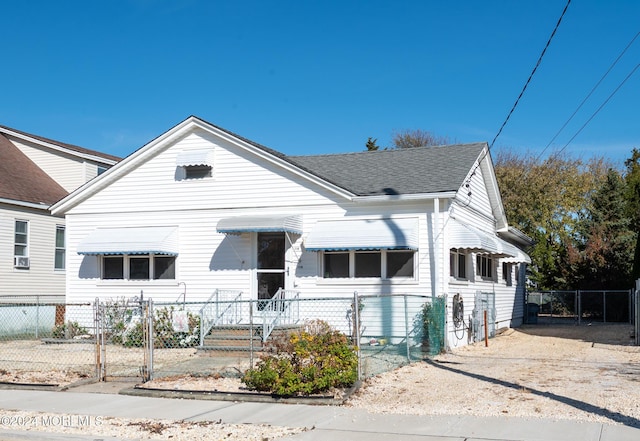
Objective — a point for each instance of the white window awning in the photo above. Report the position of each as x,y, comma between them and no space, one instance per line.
364,234
189,158
263,224
466,237
132,240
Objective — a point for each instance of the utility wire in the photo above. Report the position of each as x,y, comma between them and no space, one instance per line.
531,75
600,108
588,96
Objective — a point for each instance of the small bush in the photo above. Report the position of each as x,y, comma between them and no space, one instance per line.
310,361
68,330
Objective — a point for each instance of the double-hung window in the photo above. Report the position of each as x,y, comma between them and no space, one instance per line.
485,267
458,264
379,264
21,244
59,262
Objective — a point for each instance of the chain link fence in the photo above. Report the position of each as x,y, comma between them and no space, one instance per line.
47,341
575,307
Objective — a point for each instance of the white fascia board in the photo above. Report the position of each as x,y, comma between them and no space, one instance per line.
41,206
491,182
404,197
59,148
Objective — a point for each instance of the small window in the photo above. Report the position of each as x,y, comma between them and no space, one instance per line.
164,267
197,171
59,260
484,266
113,267
507,269
100,169
458,264
336,265
368,264
139,268
399,264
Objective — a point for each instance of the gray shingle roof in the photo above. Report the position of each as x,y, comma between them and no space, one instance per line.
400,171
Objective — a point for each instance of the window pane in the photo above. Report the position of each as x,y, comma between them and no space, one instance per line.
336,265
197,171
399,264
452,264
59,237
112,267
462,266
21,227
139,268
271,249
368,265
20,250
59,260
164,267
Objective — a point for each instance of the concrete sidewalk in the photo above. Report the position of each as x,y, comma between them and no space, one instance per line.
328,422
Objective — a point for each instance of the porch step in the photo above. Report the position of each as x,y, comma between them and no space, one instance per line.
237,338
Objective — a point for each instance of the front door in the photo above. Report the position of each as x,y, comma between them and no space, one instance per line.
270,265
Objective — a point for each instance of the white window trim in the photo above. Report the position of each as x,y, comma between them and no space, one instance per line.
56,248
26,244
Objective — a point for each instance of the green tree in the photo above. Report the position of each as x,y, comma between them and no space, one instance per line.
546,200
371,144
417,138
632,179
606,256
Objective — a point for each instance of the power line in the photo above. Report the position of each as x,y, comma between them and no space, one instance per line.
531,75
588,96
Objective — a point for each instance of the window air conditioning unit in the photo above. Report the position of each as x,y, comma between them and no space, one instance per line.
21,262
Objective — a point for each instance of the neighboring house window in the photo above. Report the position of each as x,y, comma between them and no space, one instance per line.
21,244
484,266
59,262
506,273
197,171
385,264
101,169
138,267
458,264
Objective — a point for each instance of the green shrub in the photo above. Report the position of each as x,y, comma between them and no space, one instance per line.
308,362
68,330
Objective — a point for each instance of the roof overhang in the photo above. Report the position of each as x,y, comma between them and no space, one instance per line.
262,224
131,240
364,234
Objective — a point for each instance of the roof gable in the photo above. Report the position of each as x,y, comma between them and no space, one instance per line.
22,180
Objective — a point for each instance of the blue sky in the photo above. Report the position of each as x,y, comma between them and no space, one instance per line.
312,77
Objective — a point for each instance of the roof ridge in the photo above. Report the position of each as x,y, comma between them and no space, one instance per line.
373,152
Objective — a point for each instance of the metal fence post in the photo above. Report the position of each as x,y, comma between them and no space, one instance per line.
406,327
579,309
356,324
251,334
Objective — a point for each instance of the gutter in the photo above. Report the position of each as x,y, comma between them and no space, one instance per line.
404,197
39,206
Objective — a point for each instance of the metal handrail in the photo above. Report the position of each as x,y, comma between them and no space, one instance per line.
278,311
217,308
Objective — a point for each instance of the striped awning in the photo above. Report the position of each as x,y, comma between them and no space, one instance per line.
131,240
263,224
364,234
189,158
466,237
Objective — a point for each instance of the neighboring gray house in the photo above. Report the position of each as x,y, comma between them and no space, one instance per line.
36,172
207,209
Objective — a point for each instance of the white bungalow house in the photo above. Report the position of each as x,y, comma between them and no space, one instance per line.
36,172
200,208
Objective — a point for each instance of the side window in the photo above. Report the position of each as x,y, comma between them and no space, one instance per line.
59,260
21,244
113,267
381,264
138,267
507,273
485,267
458,264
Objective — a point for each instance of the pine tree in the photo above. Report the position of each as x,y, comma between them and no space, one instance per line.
371,144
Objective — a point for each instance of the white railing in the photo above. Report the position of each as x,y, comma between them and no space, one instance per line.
282,309
222,307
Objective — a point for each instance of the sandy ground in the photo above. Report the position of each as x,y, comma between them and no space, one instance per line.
586,373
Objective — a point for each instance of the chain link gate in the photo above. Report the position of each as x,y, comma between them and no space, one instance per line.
124,338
